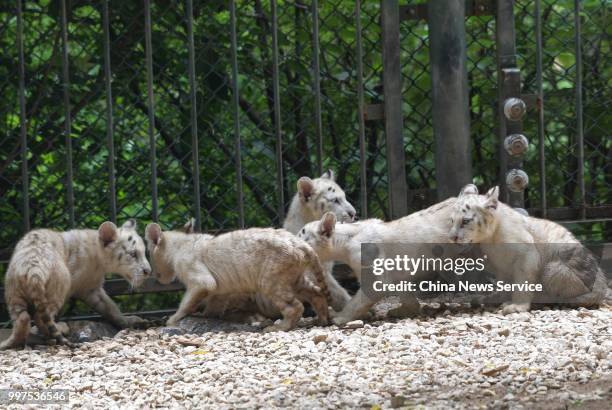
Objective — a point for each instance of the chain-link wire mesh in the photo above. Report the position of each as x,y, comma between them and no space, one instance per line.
10,173
559,82
418,126
216,153
482,80
417,109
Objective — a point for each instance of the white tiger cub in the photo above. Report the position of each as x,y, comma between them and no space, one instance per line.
314,198
342,242
568,274
266,261
48,267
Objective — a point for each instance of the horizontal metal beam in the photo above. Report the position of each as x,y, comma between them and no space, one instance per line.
567,213
145,314
117,287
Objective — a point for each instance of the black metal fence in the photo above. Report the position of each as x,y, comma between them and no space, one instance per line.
161,110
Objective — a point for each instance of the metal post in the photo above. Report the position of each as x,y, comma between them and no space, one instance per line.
236,113
540,107
451,116
317,85
277,115
392,82
67,114
506,57
194,118
513,180
22,123
579,115
151,106
109,111
360,114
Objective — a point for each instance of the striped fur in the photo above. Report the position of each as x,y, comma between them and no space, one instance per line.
567,270
314,198
48,267
265,261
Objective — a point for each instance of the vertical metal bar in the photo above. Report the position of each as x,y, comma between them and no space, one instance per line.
579,120
360,114
109,111
194,118
277,115
317,85
22,123
392,83
236,113
150,101
540,106
505,35
67,114
450,102
505,49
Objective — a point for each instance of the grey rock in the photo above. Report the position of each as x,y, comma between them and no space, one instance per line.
199,325
82,331
171,331
355,324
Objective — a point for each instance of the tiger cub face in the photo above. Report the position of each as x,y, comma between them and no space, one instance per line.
473,218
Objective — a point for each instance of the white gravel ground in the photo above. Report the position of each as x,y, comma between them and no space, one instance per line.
542,359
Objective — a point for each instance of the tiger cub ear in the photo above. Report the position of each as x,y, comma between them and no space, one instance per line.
153,234
189,226
492,196
305,188
329,174
327,225
107,232
469,189
129,224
